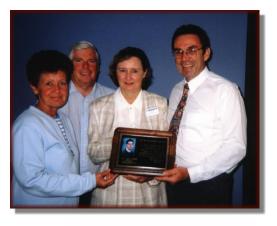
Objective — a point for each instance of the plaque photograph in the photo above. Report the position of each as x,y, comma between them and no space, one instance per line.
142,152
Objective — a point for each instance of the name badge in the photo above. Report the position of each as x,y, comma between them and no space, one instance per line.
151,111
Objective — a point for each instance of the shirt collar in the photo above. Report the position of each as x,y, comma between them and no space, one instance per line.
121,102
73,89
197,81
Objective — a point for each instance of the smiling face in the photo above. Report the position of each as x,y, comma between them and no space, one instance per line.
85,64
52,92
130,75
190,65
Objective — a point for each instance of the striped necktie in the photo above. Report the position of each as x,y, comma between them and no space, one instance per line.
176,119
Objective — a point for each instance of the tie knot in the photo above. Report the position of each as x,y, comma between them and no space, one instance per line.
186,86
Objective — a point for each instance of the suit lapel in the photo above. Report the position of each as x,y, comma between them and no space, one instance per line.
108,116
146,123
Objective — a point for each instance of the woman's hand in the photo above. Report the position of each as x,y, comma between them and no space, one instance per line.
105,178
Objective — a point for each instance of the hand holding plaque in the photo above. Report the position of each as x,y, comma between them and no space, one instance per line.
142,152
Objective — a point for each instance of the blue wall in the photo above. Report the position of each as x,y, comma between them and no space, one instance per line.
111,31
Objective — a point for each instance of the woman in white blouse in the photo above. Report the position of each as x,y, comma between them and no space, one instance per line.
129,107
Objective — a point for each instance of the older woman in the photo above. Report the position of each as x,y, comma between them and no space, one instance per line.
129,106
45,155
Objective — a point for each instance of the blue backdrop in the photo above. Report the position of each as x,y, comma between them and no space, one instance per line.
110,31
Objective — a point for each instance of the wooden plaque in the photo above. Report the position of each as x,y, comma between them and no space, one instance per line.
142,152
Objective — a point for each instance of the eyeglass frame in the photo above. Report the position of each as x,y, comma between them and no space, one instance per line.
190,51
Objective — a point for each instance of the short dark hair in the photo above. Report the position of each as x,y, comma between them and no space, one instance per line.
128,140
195,30
47,61
127,53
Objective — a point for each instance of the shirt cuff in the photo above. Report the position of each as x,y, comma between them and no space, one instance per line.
91,181
195,174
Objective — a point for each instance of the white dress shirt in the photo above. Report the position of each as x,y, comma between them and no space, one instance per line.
212,133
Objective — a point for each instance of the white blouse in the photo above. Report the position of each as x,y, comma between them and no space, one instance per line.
127,115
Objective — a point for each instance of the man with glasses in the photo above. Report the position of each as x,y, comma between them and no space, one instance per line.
83,90
206,111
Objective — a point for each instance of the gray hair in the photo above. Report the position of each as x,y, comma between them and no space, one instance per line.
83,45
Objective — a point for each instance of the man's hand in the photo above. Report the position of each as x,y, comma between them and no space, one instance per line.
174,175
138,178
105,179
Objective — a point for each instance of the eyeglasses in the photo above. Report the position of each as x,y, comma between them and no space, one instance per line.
190,51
